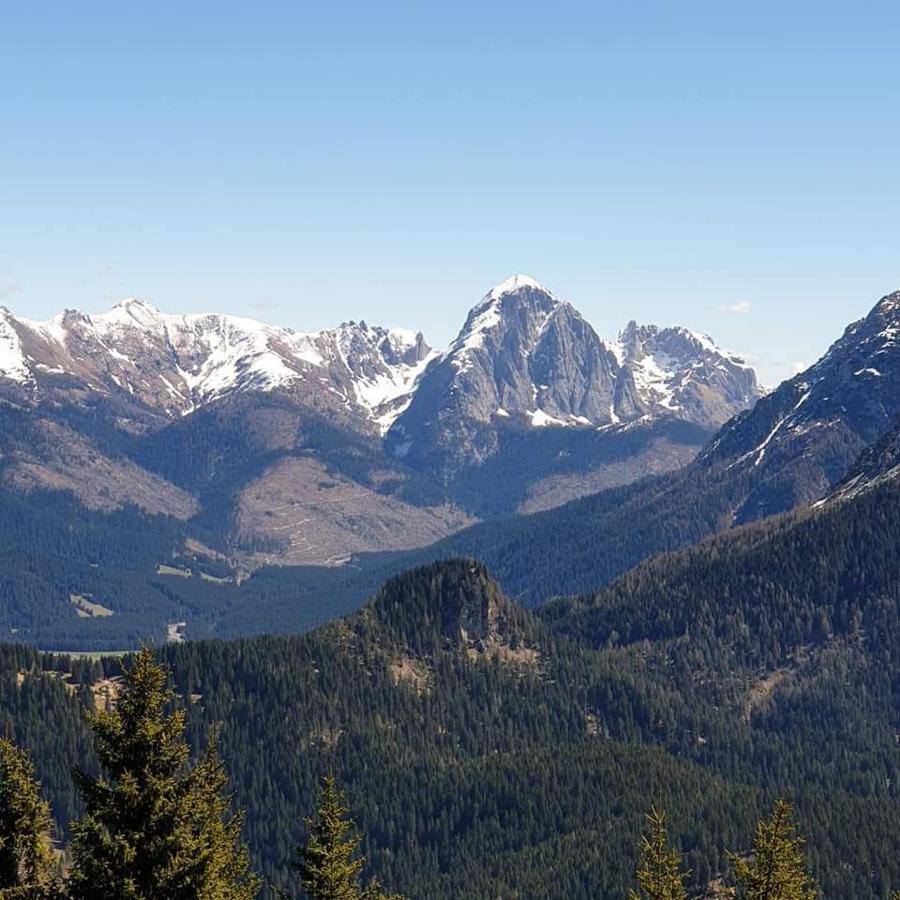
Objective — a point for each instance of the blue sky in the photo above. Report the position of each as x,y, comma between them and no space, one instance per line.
731,167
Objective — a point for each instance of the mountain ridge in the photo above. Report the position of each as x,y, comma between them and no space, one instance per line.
203,357
526,359
292,446
761,463
207,356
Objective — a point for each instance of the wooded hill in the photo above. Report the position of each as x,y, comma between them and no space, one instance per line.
490,753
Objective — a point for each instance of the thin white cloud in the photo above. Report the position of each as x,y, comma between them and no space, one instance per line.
798,367
741,308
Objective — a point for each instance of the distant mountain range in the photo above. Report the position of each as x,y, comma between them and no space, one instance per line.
521,353
524,359
230,446
307,448
705,638
150,364
795,446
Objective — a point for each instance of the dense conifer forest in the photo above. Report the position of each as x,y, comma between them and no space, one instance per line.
486,752
157,825
53,549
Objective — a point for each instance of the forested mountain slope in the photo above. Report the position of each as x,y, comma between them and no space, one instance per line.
800,613
79,579
877,465
764,592
790,449
487,756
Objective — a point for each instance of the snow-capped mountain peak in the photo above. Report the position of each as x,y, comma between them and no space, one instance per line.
131,312
525,359
172,364
890,303
522,356
12,358
512,284
383,365
519,305
676,369
817,422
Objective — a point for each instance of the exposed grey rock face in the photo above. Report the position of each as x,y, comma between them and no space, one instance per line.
878,464
521,356
164,366
801,439
526,360
683,372
574,373
527,384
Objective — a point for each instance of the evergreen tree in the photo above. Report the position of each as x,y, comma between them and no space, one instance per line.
777,869
26,861
330,864
661,875
155,828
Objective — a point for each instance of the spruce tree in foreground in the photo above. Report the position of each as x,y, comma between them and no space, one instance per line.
26,860
661,874
155,827
777,869
330,864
